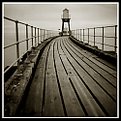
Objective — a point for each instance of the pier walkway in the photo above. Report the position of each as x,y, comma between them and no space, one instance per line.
70,81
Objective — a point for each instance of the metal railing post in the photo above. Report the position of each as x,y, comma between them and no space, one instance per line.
88,35
35,36
38,35
115,38
27,37
32,34
102,38
47,34
83,35
94,36
41,35
80,35
17,40
77,34
44,35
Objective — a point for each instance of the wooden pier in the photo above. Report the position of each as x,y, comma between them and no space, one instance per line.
70,82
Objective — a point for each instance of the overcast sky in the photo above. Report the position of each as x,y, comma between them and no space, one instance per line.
48,15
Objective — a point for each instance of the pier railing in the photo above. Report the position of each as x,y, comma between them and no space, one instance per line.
105,38
38,35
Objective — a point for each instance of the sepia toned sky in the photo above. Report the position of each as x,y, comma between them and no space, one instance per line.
48,15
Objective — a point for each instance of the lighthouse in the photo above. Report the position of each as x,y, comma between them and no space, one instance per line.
65,18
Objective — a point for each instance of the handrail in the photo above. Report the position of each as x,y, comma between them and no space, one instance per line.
80,35
99,36
41,34
9,19
7,46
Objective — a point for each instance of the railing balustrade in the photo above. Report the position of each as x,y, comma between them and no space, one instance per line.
98,36
38,35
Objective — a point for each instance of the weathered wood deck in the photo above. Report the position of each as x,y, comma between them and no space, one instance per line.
70,81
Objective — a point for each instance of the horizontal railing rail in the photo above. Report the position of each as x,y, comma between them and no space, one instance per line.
38,35
89,35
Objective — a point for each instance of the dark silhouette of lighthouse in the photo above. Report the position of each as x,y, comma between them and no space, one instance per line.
66,18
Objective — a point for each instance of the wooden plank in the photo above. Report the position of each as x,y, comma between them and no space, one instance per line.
33,105
90,105
103,100
71,102
86,54
106,75
53,105
101,81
